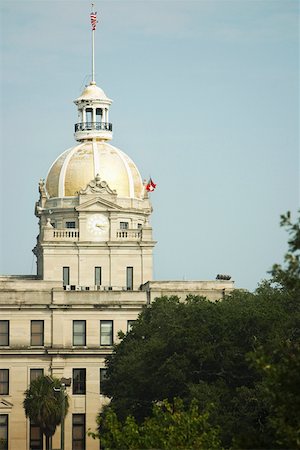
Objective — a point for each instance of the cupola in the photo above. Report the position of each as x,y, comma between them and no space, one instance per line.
93,115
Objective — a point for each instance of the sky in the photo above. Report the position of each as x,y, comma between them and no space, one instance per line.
206,101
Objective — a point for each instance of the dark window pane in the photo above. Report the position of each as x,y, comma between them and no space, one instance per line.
4,382
106,332
36,437
103,377
78,432
79,377
70,224
66,276
4,431
37,332
79,332
4,332
129,325
98,276
36,373
129,278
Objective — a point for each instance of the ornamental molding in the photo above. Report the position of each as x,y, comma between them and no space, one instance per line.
98,186
5,405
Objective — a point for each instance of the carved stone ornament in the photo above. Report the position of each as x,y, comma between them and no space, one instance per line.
97,186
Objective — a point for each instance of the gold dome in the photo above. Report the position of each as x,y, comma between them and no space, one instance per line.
77,166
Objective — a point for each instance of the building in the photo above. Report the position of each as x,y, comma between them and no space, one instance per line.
94,275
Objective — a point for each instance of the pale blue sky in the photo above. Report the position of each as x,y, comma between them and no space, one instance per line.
206,100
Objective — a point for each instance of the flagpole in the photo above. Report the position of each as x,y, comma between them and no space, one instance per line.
93,51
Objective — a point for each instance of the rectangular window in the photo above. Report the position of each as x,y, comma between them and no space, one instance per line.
4,382
36,437
78,431
37,332
103,377
4,431
124,225
36,373
98,276
79,332
129,325
129,278
4,332
66,275
70,224
79,377
106,332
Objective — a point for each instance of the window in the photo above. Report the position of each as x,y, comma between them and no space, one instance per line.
103,377
140,226
36,373
98,276
78,431
79,376
36,437
89,115
129,278
98,115
37,332
4,431
106,332
70,224
129,325
66,275
79,332
4,332
4,382
124,225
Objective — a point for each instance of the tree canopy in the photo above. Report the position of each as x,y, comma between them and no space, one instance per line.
240,354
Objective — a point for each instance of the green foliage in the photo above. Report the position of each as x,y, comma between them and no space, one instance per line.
281,372
229,353
170,426
288,277
43,405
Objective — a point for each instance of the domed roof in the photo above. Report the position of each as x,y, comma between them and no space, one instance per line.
77,166
92,92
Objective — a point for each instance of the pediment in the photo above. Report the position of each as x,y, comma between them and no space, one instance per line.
5,406
96,204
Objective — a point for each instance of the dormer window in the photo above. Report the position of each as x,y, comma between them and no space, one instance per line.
70,224
124,226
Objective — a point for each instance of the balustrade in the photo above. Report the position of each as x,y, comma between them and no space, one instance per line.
63,234
91,126
132,234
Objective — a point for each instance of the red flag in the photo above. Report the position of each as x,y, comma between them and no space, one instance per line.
94,20
150,186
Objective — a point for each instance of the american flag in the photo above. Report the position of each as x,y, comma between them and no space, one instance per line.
93,20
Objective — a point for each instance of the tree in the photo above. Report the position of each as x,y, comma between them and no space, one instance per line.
43,405
281,379
288,277
170,426
201,350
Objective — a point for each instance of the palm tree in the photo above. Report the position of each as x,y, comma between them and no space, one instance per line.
43,405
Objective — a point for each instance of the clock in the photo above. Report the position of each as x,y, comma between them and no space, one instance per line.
98,226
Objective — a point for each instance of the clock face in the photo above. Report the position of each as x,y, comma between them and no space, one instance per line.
98,226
